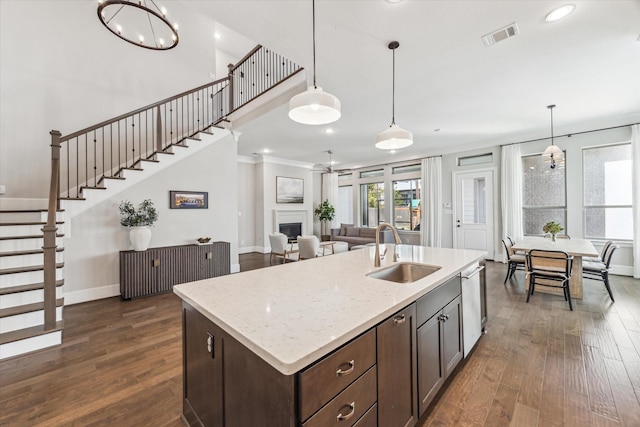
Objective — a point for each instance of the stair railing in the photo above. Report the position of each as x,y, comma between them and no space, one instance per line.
87,158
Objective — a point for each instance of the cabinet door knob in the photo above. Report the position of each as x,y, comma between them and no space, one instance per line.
399,319
352,410
340,372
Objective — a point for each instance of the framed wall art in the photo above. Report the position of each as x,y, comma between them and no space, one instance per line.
289,190
188,200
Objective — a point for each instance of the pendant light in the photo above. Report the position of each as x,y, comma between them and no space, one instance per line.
553,154
314,106
394,137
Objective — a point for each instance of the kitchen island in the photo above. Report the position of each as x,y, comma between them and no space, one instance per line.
256,343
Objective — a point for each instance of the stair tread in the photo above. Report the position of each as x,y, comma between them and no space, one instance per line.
72,198
85,187
27,269
164,152
32,236
27,252
31,332
114,177
28,287
150,160
27,308
194,138
2,224
27,210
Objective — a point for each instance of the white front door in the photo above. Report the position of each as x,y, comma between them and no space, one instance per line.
473,213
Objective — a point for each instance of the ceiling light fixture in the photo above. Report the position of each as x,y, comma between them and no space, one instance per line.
553,154
150,24
394,137
559,13
314,106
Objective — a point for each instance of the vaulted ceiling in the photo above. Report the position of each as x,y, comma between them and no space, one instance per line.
452,92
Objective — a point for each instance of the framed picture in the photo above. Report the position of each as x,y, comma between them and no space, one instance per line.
188,200
289,190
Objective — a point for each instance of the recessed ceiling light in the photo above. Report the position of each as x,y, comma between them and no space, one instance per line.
266,151
559,13
393,151
217,36
393,1
328,131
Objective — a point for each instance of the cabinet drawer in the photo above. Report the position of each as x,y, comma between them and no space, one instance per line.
370,419
322,381
347,407
433,302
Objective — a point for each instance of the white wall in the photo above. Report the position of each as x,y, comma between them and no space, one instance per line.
92,253
246,206
61,69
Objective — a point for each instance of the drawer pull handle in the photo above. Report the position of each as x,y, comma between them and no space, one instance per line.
399,319
340,372
352,410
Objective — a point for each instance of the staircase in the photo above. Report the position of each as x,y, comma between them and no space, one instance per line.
22,283
94,164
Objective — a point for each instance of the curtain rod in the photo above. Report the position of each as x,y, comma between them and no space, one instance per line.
569,135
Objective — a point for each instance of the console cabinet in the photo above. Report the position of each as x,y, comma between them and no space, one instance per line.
156,270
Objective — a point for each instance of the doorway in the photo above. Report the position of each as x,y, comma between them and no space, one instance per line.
473,222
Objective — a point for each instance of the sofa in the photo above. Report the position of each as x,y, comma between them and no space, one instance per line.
359,235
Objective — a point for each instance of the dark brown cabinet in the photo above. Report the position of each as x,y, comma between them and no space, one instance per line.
439,339
397,389
203,370
156,270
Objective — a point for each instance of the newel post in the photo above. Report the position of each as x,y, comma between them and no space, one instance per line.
49,231
230,75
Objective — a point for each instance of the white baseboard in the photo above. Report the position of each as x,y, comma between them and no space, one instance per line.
235,268
249,249
91,294
621,270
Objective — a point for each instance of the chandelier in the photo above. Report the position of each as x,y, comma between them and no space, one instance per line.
142,23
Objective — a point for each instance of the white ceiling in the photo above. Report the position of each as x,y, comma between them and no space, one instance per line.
587,64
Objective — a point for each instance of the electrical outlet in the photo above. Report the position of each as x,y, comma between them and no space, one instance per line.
3,189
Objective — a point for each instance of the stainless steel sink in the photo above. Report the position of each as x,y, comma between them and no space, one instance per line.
404,272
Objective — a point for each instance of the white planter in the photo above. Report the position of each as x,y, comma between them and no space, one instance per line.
140,238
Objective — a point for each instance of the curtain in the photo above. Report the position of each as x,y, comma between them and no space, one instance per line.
511,193
431,203
635,162
330,193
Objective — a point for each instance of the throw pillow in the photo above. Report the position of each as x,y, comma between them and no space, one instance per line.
343,228
353,232
368,232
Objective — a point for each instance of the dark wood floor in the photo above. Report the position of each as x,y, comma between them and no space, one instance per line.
539,364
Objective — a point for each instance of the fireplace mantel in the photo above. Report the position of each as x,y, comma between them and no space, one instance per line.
282,216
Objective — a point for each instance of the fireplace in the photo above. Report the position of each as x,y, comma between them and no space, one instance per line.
291,229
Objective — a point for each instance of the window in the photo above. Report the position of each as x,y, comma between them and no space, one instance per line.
344,209
607,192
373,173
372,203
475,160
406,204
543,194
406,169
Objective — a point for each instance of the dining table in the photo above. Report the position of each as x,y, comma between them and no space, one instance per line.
578,248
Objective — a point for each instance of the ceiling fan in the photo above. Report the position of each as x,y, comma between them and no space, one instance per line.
319,167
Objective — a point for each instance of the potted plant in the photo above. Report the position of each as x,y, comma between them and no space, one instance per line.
138,220
553,228
325,212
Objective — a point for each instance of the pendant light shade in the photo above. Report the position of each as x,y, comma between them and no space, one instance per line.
314,106
394,137
553,154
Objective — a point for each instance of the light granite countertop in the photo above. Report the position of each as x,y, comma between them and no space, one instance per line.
294,314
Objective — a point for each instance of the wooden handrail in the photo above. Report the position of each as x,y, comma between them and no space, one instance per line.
49,232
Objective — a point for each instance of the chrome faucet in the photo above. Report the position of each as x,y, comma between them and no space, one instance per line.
376,259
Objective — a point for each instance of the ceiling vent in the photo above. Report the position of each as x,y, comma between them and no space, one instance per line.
501,34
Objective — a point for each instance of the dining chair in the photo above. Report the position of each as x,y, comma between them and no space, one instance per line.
549,268
308,247
281,247
599,270
515,260
600,257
